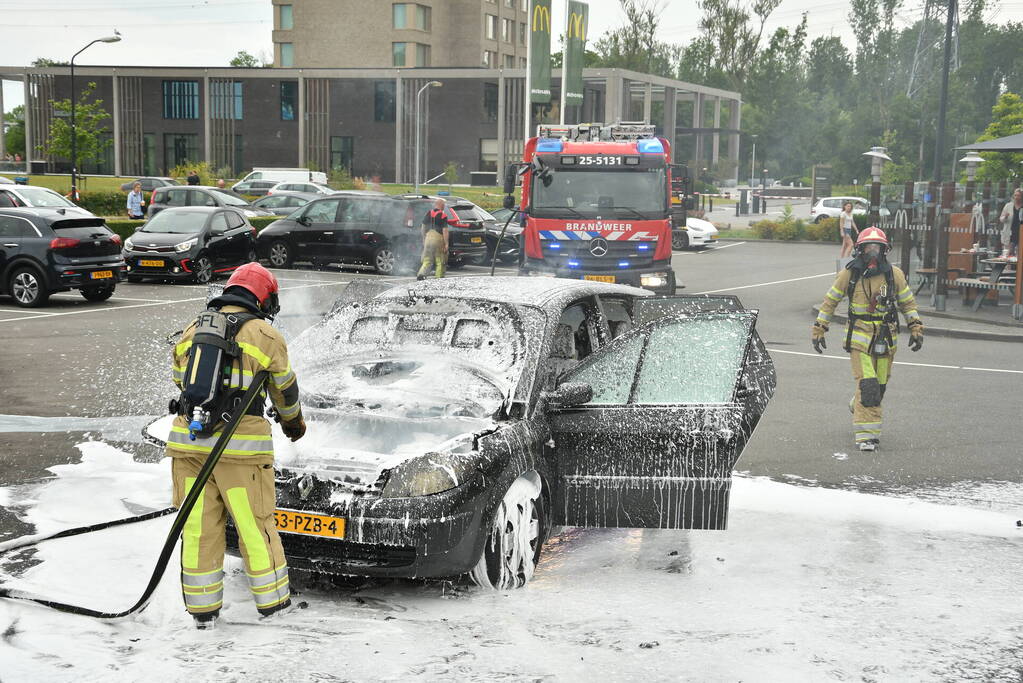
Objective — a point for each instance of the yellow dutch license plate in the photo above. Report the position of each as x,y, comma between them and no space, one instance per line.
101,274
600,278
475,240
156,263
292,522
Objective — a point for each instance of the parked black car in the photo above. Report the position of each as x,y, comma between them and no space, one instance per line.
454,422
44,250
364,229
149,184
508,251
256,188
284,203
194,243
200,195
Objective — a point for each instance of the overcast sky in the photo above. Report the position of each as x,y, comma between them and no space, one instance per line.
211,32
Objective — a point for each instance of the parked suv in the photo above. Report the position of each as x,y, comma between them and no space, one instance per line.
830,207
284,203
39,197
256,188
199,195
190,242
312,188
44,250
364,229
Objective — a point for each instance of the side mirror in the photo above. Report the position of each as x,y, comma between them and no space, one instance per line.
510,174
303,220
509,202
568,395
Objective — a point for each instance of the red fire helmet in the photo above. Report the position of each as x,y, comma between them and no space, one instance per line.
255,278
872,234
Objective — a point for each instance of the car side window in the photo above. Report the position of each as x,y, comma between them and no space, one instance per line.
617,315
7,200
357,210
611,376
177,198
219,222
234,220
15,227
830,203
573,339
322,212
200,198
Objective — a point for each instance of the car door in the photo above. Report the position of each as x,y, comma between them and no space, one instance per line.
239,237
13,231
316,238
670,415
219,246
362,231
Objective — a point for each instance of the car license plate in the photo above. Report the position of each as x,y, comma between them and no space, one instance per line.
101,274
291,522
600,278
475,240
156,263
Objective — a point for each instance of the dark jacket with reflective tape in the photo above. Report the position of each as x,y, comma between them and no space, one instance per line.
867,307
261,348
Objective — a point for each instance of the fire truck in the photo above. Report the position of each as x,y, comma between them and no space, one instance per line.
596,204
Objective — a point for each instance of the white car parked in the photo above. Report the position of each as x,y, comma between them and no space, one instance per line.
697,233
830,207
309,187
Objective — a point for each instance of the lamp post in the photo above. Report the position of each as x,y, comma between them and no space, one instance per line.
753,161
74,134
431,84
878,155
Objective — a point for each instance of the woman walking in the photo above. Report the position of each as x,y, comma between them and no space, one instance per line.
847,226
135,202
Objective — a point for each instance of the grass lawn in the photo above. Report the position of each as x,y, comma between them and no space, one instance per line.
62,183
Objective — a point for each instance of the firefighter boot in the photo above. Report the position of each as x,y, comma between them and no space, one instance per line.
206,621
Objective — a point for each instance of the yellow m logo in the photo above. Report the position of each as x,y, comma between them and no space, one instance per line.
577,26
541,18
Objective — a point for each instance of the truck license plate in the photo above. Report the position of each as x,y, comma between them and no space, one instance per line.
475,240
155,263
600,278
292,522
101,274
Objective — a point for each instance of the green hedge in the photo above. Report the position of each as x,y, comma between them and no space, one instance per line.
789,228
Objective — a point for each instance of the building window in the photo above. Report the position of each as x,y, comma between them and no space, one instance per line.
490,26
400,20
179,149
287,54
342,152
289,100
422,55
398,54
424,18
490,102
490,59
522,32
488,155
287,19
226,100
383,101
507,30
523,63
509,61
181,99
525,5
509,3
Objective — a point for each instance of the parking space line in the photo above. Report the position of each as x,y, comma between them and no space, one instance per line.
113,298
719,248
107,309
765,284
898,362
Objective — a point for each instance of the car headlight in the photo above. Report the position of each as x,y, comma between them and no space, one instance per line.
653,279
428,474
128,244
182,247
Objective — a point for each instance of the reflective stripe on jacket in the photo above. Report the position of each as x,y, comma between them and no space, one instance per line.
262,348
867,288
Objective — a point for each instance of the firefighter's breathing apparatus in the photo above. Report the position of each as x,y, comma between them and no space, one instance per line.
861,268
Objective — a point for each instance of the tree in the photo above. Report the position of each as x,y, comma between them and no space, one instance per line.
734,32
46,61
244,59
15,139
634,45
1006,119
89,128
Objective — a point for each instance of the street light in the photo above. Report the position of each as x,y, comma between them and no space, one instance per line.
972,160
753,161
878,155
431,84
74,135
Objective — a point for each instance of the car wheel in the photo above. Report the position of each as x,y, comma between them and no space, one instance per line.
280,255
455,264
27,288
97,293
516,537
251,257
202,269
383,260
679,240
820,219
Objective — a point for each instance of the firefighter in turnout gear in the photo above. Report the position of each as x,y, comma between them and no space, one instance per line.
235,341
877,291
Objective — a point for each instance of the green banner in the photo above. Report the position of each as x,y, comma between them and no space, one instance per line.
540,51
575,50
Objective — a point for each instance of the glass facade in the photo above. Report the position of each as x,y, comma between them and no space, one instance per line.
383,101
398,55
181,99
226,100
342,152
287,19
289,100
287,54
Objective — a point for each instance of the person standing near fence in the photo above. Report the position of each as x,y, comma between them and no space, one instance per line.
135,203
847,228
1011,217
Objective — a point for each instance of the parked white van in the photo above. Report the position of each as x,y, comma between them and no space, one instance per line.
283,175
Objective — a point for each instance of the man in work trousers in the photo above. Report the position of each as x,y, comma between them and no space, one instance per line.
242,483
877,290
435,241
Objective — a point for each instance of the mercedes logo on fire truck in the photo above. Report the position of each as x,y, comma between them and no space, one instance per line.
598,247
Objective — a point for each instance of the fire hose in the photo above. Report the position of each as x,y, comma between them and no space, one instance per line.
240,410
497,246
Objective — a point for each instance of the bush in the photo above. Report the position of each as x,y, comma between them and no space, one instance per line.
790,230
207,175
765,229
825,231
105,203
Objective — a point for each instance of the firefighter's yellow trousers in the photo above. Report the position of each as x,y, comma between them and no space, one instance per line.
434,253
872,373
247,493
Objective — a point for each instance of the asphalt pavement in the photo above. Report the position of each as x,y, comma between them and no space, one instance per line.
951,411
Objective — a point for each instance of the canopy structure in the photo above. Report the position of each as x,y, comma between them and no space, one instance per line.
1010,143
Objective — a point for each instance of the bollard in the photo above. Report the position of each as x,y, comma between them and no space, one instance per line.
712,204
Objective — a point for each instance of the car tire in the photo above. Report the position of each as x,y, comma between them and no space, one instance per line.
279,255
202,269
97,293
384,260
515,538
252,256
679,240
28,288
820,219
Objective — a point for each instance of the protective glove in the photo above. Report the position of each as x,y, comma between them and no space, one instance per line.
817,333
294,429
916,342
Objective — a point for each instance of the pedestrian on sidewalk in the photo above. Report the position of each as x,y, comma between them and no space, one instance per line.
435,241
877,291
193,177
135,202
1011,217
847,228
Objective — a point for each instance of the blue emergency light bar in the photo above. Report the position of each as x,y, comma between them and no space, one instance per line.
623,264
548,145
643,247
554,245
650,147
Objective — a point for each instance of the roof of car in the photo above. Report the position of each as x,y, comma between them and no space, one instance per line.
543,292
197,209
49,213
291,193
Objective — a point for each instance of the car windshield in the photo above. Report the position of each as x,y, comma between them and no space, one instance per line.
40,196
230,199
623,192
185,222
